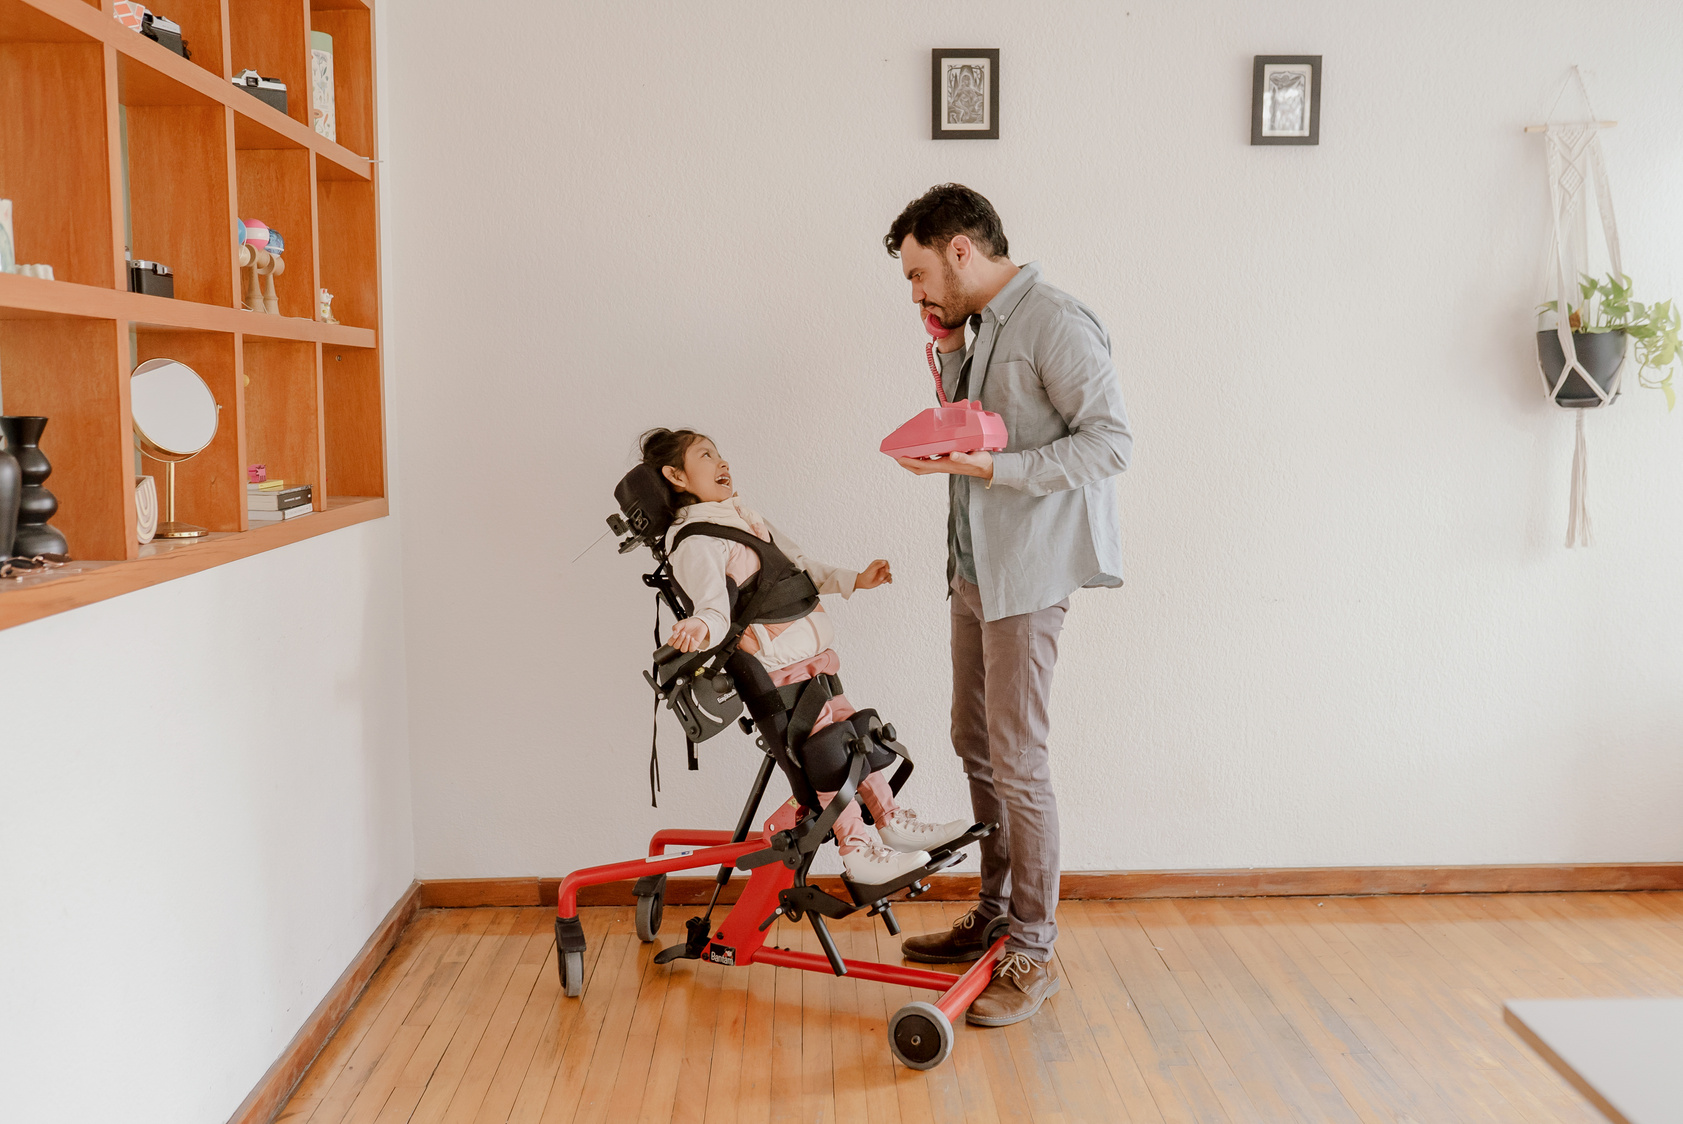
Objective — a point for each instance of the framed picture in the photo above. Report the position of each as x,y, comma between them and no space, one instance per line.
964,94
1286,99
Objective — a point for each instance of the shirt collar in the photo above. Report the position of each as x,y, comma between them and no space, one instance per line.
1007,299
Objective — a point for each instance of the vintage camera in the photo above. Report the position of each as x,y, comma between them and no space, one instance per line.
165,33
270,90
152,278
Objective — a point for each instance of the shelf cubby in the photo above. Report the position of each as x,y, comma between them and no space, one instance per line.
346,217
351,25
274,186
272,38
209,488
283,411
204,29
96,120
55,157
352,426
178,197
67,370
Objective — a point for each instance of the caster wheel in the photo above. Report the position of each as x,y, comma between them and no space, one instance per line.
572,973
649,910
997,928
920,1035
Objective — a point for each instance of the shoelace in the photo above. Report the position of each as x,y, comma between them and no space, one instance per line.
968,921
1014,965
906,820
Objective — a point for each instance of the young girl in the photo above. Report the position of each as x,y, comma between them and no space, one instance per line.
789,652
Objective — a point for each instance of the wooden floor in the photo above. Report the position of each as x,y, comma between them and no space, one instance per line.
1287,1009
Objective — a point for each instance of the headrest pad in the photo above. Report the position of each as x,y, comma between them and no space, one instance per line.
647,500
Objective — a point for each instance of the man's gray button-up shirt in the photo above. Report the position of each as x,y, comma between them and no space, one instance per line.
1048,525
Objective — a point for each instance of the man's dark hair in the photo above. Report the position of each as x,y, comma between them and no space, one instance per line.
944,212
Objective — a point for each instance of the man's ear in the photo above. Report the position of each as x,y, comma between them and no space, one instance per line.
672,475
961,249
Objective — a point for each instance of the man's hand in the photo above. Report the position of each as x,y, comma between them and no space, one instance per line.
874,575
688,635
953,464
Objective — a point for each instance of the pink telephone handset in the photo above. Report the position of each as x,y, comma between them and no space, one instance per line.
951,427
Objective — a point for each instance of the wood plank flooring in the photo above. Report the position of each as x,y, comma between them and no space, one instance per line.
1239,1009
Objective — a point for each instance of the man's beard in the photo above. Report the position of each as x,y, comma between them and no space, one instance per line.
955,310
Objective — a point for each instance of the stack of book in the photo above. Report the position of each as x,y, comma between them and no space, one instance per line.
271,501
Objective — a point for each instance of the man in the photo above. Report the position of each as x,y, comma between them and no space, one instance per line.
1025,528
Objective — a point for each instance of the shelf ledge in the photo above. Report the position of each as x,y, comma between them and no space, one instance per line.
83,583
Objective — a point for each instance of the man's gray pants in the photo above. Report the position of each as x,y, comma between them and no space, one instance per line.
1002,683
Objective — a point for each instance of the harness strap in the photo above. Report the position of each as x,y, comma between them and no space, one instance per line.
784,699
654,734
813,837
817,692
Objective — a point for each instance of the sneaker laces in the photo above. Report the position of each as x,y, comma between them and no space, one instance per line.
1014,966
969,920
876,852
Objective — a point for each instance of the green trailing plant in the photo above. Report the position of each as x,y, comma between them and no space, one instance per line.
1605,306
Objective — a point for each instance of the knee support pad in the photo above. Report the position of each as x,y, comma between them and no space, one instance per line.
825,754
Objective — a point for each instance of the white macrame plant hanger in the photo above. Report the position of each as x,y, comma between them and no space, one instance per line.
1574,163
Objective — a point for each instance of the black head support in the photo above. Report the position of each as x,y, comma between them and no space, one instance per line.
648,506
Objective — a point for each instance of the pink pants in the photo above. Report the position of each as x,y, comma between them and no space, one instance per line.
850,829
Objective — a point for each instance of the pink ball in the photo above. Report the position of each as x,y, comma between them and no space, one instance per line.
256,233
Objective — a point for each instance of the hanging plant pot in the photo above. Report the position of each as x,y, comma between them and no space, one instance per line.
1599,353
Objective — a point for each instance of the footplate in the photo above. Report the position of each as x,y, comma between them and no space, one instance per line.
939,859
977,832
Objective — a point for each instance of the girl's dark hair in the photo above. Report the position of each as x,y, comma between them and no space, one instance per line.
665,448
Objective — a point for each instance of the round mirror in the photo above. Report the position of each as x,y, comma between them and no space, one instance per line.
175,413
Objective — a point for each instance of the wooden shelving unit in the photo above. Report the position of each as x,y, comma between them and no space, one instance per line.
303,397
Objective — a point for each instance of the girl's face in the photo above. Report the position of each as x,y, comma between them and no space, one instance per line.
705,474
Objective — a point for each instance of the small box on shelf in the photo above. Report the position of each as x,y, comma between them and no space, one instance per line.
152,278
269,91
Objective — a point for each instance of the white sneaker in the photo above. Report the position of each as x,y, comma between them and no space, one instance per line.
873,864
905,832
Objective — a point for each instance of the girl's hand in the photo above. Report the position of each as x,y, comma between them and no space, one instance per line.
875,574
688,635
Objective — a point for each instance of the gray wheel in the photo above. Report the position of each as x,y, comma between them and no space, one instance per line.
649,909
920,1035
572,974
997,928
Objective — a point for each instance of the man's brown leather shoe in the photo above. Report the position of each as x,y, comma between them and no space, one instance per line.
961,944
1020,985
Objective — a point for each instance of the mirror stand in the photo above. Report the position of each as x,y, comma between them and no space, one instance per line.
169,528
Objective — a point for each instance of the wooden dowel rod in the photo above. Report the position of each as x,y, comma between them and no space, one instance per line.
1544,128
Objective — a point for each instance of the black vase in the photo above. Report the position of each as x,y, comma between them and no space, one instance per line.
36,505
1599,353
11,489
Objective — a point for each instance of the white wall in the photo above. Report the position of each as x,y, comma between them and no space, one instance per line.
1351,633
204,813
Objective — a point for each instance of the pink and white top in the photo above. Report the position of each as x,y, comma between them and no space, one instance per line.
701,564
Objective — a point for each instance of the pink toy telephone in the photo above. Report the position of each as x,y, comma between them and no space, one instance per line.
951,427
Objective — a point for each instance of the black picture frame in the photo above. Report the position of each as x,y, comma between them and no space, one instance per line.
939,127
1260,134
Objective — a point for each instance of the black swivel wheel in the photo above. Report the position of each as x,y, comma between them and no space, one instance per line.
920,1035
571,965
997,928
650,906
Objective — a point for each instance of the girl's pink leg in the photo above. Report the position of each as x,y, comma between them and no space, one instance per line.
850,829
878,797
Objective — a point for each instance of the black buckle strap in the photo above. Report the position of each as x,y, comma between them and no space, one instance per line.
815,695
